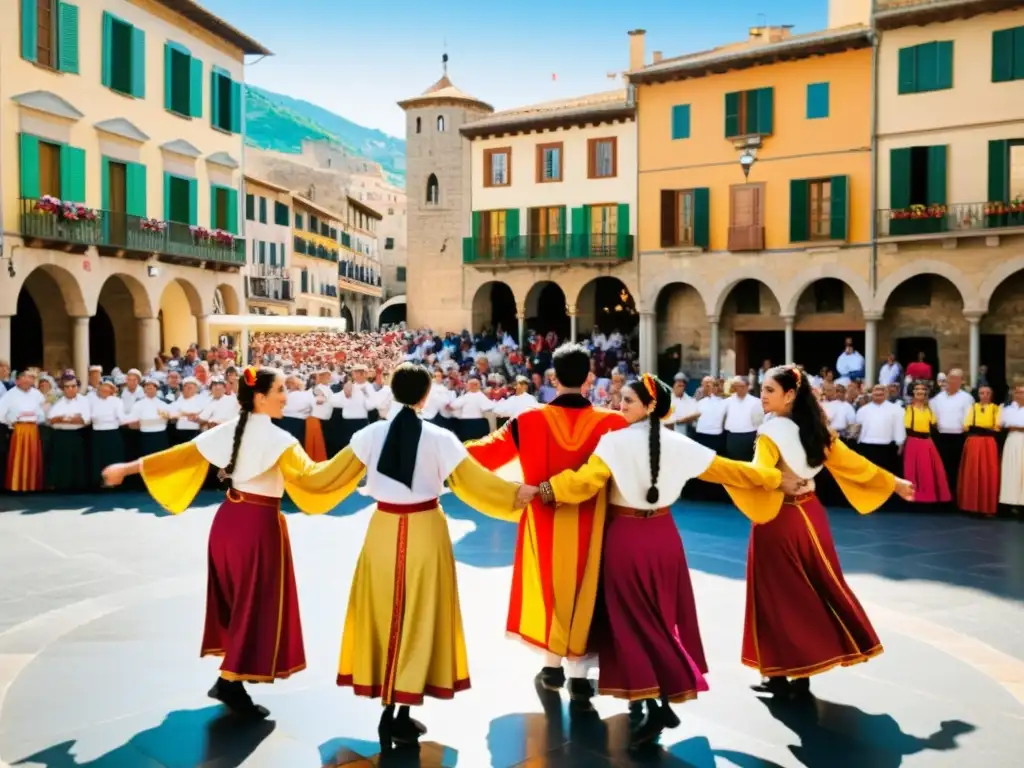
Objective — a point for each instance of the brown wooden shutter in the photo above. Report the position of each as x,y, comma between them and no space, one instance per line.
669,236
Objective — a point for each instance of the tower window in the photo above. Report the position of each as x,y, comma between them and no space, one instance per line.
419,124
433,190
440,123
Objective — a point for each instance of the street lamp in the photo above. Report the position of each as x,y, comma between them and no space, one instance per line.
747,160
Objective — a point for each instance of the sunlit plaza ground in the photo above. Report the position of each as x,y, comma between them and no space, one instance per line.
101,611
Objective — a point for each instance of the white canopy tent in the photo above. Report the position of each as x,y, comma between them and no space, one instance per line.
244,324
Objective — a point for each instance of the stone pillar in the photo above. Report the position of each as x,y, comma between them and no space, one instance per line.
80,348
202,332
648,342
571,311
870,349
5,338
789,319
974,320
357,313
149,341
521,319
715,351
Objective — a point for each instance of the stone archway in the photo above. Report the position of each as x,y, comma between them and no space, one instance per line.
546,309
225,300
392,311
494,306
42,332
606,302
1001,342
751,328
924,313
824,314
114,331
180,305
682,331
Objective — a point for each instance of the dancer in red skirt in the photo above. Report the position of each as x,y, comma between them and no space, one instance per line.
978,486
802,618
922,464
252,606
645,631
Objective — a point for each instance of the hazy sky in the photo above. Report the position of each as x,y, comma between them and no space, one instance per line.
358,58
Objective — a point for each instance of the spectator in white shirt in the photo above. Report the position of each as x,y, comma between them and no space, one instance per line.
840,413
850,365
470,409
709,432
882,434
743,415
518,403
891,371
684,408
951,407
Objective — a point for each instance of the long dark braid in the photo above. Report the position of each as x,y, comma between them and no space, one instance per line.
662,401
251,383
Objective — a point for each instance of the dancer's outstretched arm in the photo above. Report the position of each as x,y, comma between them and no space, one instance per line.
486,492
498,448
173,477
318,487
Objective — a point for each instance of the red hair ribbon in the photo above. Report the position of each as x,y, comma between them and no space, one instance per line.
249,375
650,386
797,375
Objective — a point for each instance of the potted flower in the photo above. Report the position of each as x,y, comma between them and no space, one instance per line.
152,225
222,238
918,219
48,204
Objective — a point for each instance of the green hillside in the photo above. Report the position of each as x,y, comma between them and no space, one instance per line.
280,123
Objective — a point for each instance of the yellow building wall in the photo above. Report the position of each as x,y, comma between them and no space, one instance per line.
797,149
178,327
86,93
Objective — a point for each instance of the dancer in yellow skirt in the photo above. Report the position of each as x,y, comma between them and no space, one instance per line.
403,637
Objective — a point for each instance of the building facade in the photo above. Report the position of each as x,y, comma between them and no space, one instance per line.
269,289
120,154
359,273
316,238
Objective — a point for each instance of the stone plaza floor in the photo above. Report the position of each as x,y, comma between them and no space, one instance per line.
101,609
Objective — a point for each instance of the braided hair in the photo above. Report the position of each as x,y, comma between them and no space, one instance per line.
262,381
662,400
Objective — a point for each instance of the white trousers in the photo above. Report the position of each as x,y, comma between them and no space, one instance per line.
573,667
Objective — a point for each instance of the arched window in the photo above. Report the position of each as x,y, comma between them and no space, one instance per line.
440,123
433,190
419,124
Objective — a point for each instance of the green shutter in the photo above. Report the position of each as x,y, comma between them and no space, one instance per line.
622,249
702,217
29,166
196,88
193,202
168,76
67,44
817,101
511,233
937,175
907,81
263,210
998,171
899,178
232,211
214,97
167,196
622,219
1002,55
477,226
107,76
1018,53
927,67
469,246
105,183
72,174
839,214
29,41
681,121
944,65
765,109
750,104
273,254
135,189
236,107
213,206
732,115
798,229
138,63
250,208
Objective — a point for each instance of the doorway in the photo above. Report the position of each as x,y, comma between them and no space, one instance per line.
117,203
907,349
993,356
821,349
102,341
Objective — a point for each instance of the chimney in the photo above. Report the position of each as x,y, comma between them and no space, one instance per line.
773,34
636,49
656,56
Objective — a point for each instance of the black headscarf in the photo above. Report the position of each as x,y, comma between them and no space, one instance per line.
398,456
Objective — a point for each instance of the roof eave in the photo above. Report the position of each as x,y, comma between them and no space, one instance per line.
368,210
938,12
754,57
568,119
214,24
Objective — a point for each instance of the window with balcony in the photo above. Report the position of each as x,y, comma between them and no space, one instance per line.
602,158
492,228
926,67
819,209
180,199
224,208
1008,55
498,167
280,214
749,113
124,57
225,102
49,34
298,220
546,228
684,218
48,168
549,162
183,81
746,217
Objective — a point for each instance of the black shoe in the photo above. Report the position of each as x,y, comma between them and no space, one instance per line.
551,678
407,730
669,718
649,730
580,694
636,713
800,687
779,687
232,694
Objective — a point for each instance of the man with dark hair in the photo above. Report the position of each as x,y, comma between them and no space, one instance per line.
558,556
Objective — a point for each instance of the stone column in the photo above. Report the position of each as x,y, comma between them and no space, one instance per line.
357,313
202,332
715,351
80,349
571,311
521,320
974,320
870,348
648,342
5,338
149,341
789,319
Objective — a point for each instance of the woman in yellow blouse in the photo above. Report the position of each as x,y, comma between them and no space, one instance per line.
978,485
922,464
252,611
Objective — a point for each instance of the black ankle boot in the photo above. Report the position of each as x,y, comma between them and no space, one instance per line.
777,686
551,678
384,728
580,694
669,718
800,687
406,729
650,728
232,694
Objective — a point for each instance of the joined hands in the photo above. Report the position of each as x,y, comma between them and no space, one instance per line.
525,494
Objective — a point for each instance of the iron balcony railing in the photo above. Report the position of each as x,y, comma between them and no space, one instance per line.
358,274
958,218
533,248
270,288
747,238
314,250
113,229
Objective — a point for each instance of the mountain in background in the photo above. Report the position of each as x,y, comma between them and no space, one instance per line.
280,123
